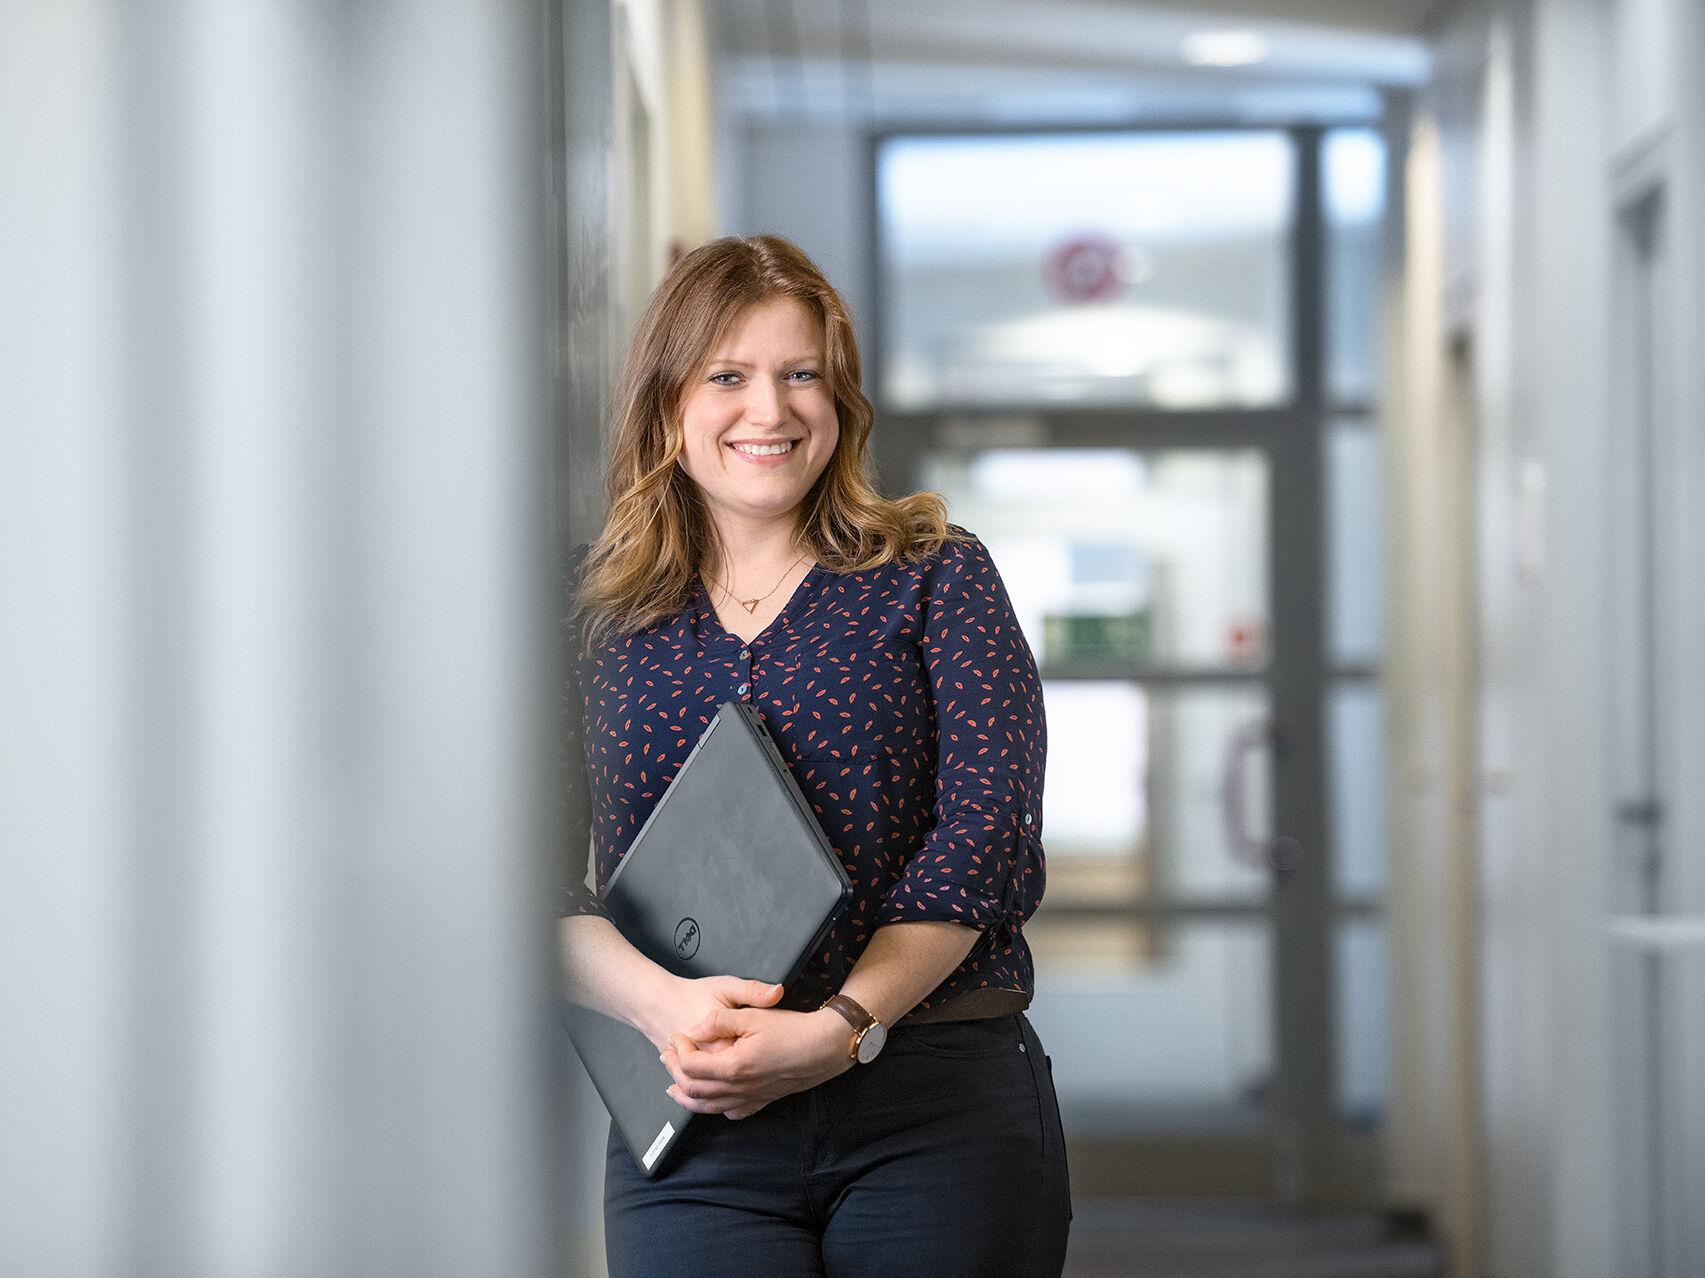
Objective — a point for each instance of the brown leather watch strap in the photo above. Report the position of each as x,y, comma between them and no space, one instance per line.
855,1016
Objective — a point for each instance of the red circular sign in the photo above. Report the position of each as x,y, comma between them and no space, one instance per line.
1086,268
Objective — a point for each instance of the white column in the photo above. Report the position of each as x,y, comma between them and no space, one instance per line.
274,545
63,857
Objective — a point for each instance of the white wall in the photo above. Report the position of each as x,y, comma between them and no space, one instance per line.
1427,641
1569,103
663,153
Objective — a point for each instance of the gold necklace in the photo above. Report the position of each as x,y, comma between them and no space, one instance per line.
751,605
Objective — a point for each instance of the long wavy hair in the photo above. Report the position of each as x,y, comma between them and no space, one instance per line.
658,532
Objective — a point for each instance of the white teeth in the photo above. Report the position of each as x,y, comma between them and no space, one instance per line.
765,450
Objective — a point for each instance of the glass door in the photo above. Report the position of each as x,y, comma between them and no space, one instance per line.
1108,352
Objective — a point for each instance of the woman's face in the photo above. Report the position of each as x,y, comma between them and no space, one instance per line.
758,420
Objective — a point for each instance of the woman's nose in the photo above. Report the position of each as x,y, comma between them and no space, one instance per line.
766,402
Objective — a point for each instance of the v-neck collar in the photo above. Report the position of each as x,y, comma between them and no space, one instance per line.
707,607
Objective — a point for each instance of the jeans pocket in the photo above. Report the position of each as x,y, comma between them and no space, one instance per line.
959,1040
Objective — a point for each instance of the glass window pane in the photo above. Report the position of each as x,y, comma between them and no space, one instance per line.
1095,806
1353,169
1356,758
1210,799
1186,1026
1355,530
1364,1030
1140,788
1125,268
1111,555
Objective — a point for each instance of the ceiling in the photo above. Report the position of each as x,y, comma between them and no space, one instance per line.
1388,17
1083,60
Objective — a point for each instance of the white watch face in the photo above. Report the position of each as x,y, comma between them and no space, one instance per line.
871,1042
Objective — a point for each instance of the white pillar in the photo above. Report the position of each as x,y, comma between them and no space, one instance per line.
274,547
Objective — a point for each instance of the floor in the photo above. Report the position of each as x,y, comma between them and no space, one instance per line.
1150,1238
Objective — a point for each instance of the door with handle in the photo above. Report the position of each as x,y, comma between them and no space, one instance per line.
1176,469
1656,929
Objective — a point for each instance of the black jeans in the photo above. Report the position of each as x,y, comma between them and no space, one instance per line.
941,1159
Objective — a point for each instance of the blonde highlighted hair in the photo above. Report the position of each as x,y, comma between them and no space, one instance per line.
658,532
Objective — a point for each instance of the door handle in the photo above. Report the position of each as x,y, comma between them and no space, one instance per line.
1278,853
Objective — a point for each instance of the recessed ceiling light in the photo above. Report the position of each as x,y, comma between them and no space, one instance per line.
1224,48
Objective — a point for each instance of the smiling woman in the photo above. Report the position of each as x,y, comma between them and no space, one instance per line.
745,302
747,558
758,424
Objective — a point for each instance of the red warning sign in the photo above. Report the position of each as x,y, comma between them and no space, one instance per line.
1086,268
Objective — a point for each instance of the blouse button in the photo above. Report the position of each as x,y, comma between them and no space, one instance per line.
744,688
745,654
1029,818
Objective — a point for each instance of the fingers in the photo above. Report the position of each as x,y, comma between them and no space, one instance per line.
710,1096
710,1082
710,1104
737,1060
724,1022
690,1062
677,1094
742,993
735,1107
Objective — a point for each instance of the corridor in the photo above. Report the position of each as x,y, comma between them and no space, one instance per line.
1320,374
1161,1238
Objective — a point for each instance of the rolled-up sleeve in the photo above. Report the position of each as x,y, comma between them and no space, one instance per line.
981,863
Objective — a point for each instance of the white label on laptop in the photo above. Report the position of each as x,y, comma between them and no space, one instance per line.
658,1144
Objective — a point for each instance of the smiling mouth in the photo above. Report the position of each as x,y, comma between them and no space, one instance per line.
764,450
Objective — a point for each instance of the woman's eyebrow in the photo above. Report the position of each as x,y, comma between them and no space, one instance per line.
740,363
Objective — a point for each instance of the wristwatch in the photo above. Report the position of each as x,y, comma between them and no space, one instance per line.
869,1034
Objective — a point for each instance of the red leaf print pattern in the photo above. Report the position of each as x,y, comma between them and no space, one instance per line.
907,703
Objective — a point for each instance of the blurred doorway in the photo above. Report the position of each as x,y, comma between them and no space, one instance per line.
1658,941
1141,366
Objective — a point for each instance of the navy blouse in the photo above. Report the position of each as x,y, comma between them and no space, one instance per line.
906,701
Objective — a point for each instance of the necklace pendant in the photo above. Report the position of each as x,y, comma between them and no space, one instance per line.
751,605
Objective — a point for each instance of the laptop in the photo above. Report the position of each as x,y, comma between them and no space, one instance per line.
730,875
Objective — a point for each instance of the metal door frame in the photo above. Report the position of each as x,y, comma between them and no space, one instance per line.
1658,1232
1316,1159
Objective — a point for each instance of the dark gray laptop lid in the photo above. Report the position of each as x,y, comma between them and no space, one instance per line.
731,874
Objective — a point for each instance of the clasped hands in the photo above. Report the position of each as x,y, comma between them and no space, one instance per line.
739,1051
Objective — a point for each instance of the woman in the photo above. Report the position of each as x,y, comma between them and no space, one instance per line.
891,1112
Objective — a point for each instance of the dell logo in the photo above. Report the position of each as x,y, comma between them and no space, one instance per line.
687,938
